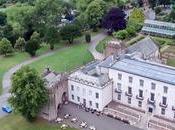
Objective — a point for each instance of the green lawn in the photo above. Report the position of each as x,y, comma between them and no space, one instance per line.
102,44
66,59
15,122
7,62
171,62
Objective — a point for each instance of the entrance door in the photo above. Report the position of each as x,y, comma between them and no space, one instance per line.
150,110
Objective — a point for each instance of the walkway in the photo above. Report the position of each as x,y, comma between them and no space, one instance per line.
6,81
94,42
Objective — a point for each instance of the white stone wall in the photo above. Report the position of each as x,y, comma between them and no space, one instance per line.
159,92
89,93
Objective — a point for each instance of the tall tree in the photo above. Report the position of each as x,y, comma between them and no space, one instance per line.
137,15
172,14
3,19
28,93
5,47
136,19
52,37
33,44
47,14
114,20
95,12
70,32
152,3
20,44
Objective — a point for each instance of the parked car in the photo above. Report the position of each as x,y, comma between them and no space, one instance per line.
59,120
92,128
74,120
7,109
83,125
66,116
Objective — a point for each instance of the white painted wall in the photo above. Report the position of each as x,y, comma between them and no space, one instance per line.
89,93
159,92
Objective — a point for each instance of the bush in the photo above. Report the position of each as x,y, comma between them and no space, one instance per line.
33,44
121,34
88,37
158,10
5,47
131,31
20,43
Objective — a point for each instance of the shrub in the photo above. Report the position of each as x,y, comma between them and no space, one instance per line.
131,31
121,34
158,10
20,43
88,37
5,47
33,44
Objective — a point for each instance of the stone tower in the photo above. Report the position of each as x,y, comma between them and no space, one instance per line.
114,47
57,86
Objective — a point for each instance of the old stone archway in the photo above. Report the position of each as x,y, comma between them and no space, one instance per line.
57,88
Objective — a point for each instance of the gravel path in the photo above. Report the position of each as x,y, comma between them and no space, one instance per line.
94,42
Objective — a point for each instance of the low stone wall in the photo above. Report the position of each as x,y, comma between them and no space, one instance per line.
158,123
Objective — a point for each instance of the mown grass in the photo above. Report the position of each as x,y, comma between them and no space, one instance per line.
65,59
8,62
16,122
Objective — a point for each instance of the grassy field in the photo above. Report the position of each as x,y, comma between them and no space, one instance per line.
102,44
171,62
66,59
15,122
7,62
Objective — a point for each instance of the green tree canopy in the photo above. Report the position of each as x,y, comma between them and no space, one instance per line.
95,12
20,44
5,47
28,93
69,32
33,44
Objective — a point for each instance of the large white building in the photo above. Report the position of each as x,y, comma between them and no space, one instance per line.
144,85
137,83
90,87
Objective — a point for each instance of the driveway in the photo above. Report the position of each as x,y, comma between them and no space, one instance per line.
100,122
94,42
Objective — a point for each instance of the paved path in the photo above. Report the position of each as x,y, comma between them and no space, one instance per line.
94,42
6,81
100,122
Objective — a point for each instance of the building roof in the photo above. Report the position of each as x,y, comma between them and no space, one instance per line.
145,46
146,69
159,23
158,31
90,75
51,79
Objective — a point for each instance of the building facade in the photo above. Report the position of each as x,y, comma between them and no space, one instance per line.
90,88
56,84
145,86
139,84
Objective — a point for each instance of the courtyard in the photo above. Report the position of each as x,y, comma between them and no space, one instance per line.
101,122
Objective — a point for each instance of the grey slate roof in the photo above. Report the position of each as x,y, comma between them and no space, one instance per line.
145,46
146,69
